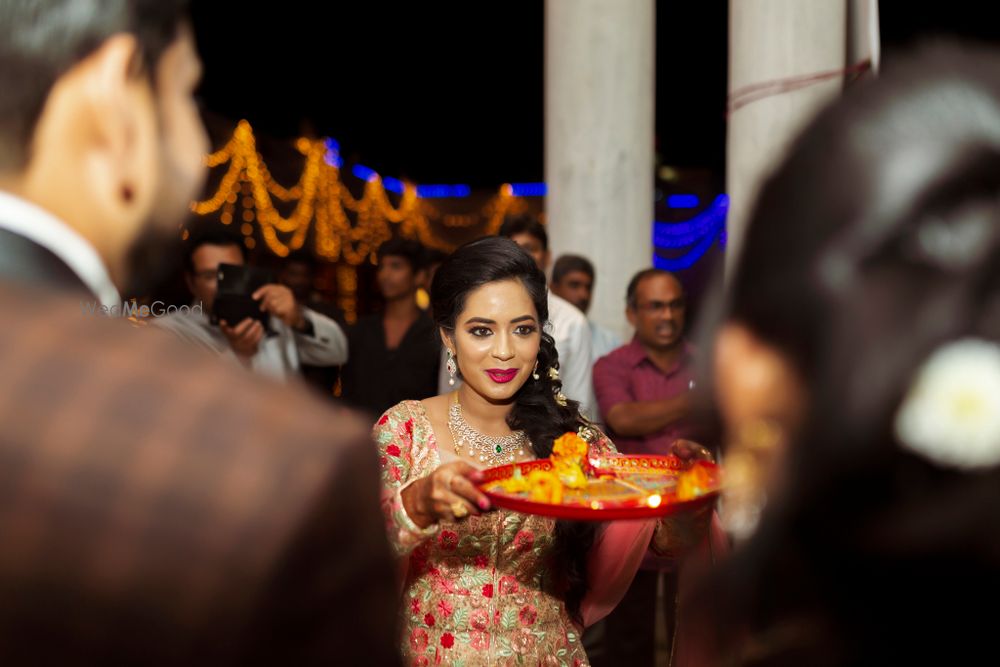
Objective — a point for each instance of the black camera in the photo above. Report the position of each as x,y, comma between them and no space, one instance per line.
233,300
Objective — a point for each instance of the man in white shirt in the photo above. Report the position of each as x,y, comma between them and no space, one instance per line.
570,328
573,279
294,335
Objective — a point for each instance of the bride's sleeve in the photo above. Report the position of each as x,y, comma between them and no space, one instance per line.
393,434
614,558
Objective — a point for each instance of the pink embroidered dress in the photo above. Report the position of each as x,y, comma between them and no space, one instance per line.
478,592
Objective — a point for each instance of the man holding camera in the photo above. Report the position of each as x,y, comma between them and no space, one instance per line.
292,335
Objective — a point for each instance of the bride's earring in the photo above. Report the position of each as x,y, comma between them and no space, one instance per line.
452,367
534,372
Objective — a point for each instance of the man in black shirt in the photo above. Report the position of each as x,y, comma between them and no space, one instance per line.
393,355
298,273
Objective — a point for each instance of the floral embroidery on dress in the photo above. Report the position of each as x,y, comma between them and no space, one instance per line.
476,592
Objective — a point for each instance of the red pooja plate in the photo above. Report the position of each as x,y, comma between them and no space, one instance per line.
623,487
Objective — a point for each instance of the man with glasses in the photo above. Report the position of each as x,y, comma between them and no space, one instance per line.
297,334
643,392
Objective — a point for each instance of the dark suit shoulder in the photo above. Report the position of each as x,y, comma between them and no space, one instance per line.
177,488
26,262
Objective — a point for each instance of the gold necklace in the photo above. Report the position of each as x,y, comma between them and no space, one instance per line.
493,450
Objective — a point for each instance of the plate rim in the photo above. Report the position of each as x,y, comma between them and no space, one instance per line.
581,513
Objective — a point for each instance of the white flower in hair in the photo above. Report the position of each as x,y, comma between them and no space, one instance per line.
951,413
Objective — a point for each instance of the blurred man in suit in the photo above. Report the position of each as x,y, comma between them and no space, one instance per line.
156,507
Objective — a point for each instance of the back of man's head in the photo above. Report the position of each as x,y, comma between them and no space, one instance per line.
409,250
98,124
567,264
515,225
41,40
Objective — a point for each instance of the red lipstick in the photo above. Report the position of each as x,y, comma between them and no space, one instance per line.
502,375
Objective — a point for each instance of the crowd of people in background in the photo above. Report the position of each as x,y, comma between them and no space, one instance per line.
396,352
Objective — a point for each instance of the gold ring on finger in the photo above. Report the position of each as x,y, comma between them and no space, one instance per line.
459,509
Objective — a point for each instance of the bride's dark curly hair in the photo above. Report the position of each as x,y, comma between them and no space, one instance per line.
535,410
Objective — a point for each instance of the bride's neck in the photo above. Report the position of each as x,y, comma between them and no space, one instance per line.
485,416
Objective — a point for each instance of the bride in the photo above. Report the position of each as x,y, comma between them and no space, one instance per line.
485,587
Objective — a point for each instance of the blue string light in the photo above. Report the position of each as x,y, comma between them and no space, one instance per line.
683,201
687,260
435,191
684,234
332,156
442,191
528,189
393,185
677,241
699,234
363,172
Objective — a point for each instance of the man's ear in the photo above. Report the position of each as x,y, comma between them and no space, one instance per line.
119,113
95,151
630,315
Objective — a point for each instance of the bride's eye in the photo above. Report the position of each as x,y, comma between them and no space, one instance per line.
526,330
480,332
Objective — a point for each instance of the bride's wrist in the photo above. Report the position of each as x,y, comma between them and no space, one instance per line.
411,504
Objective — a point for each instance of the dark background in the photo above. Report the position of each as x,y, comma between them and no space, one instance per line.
452,92
443,92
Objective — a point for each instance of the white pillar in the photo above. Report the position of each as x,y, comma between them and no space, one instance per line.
863,39
599,99
771,40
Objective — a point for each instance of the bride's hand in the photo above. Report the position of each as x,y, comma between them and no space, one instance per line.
447,494
690,452
678,534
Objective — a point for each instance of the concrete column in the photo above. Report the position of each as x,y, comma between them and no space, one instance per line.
771,40
599,99
863,39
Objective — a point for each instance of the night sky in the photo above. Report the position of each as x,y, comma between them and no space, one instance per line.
452,92
443,92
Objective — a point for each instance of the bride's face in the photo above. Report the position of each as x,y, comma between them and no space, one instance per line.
496,339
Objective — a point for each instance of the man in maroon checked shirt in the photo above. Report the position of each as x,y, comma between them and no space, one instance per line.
643,392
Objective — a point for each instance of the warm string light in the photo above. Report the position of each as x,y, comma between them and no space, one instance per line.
321,197
347,290
504,204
